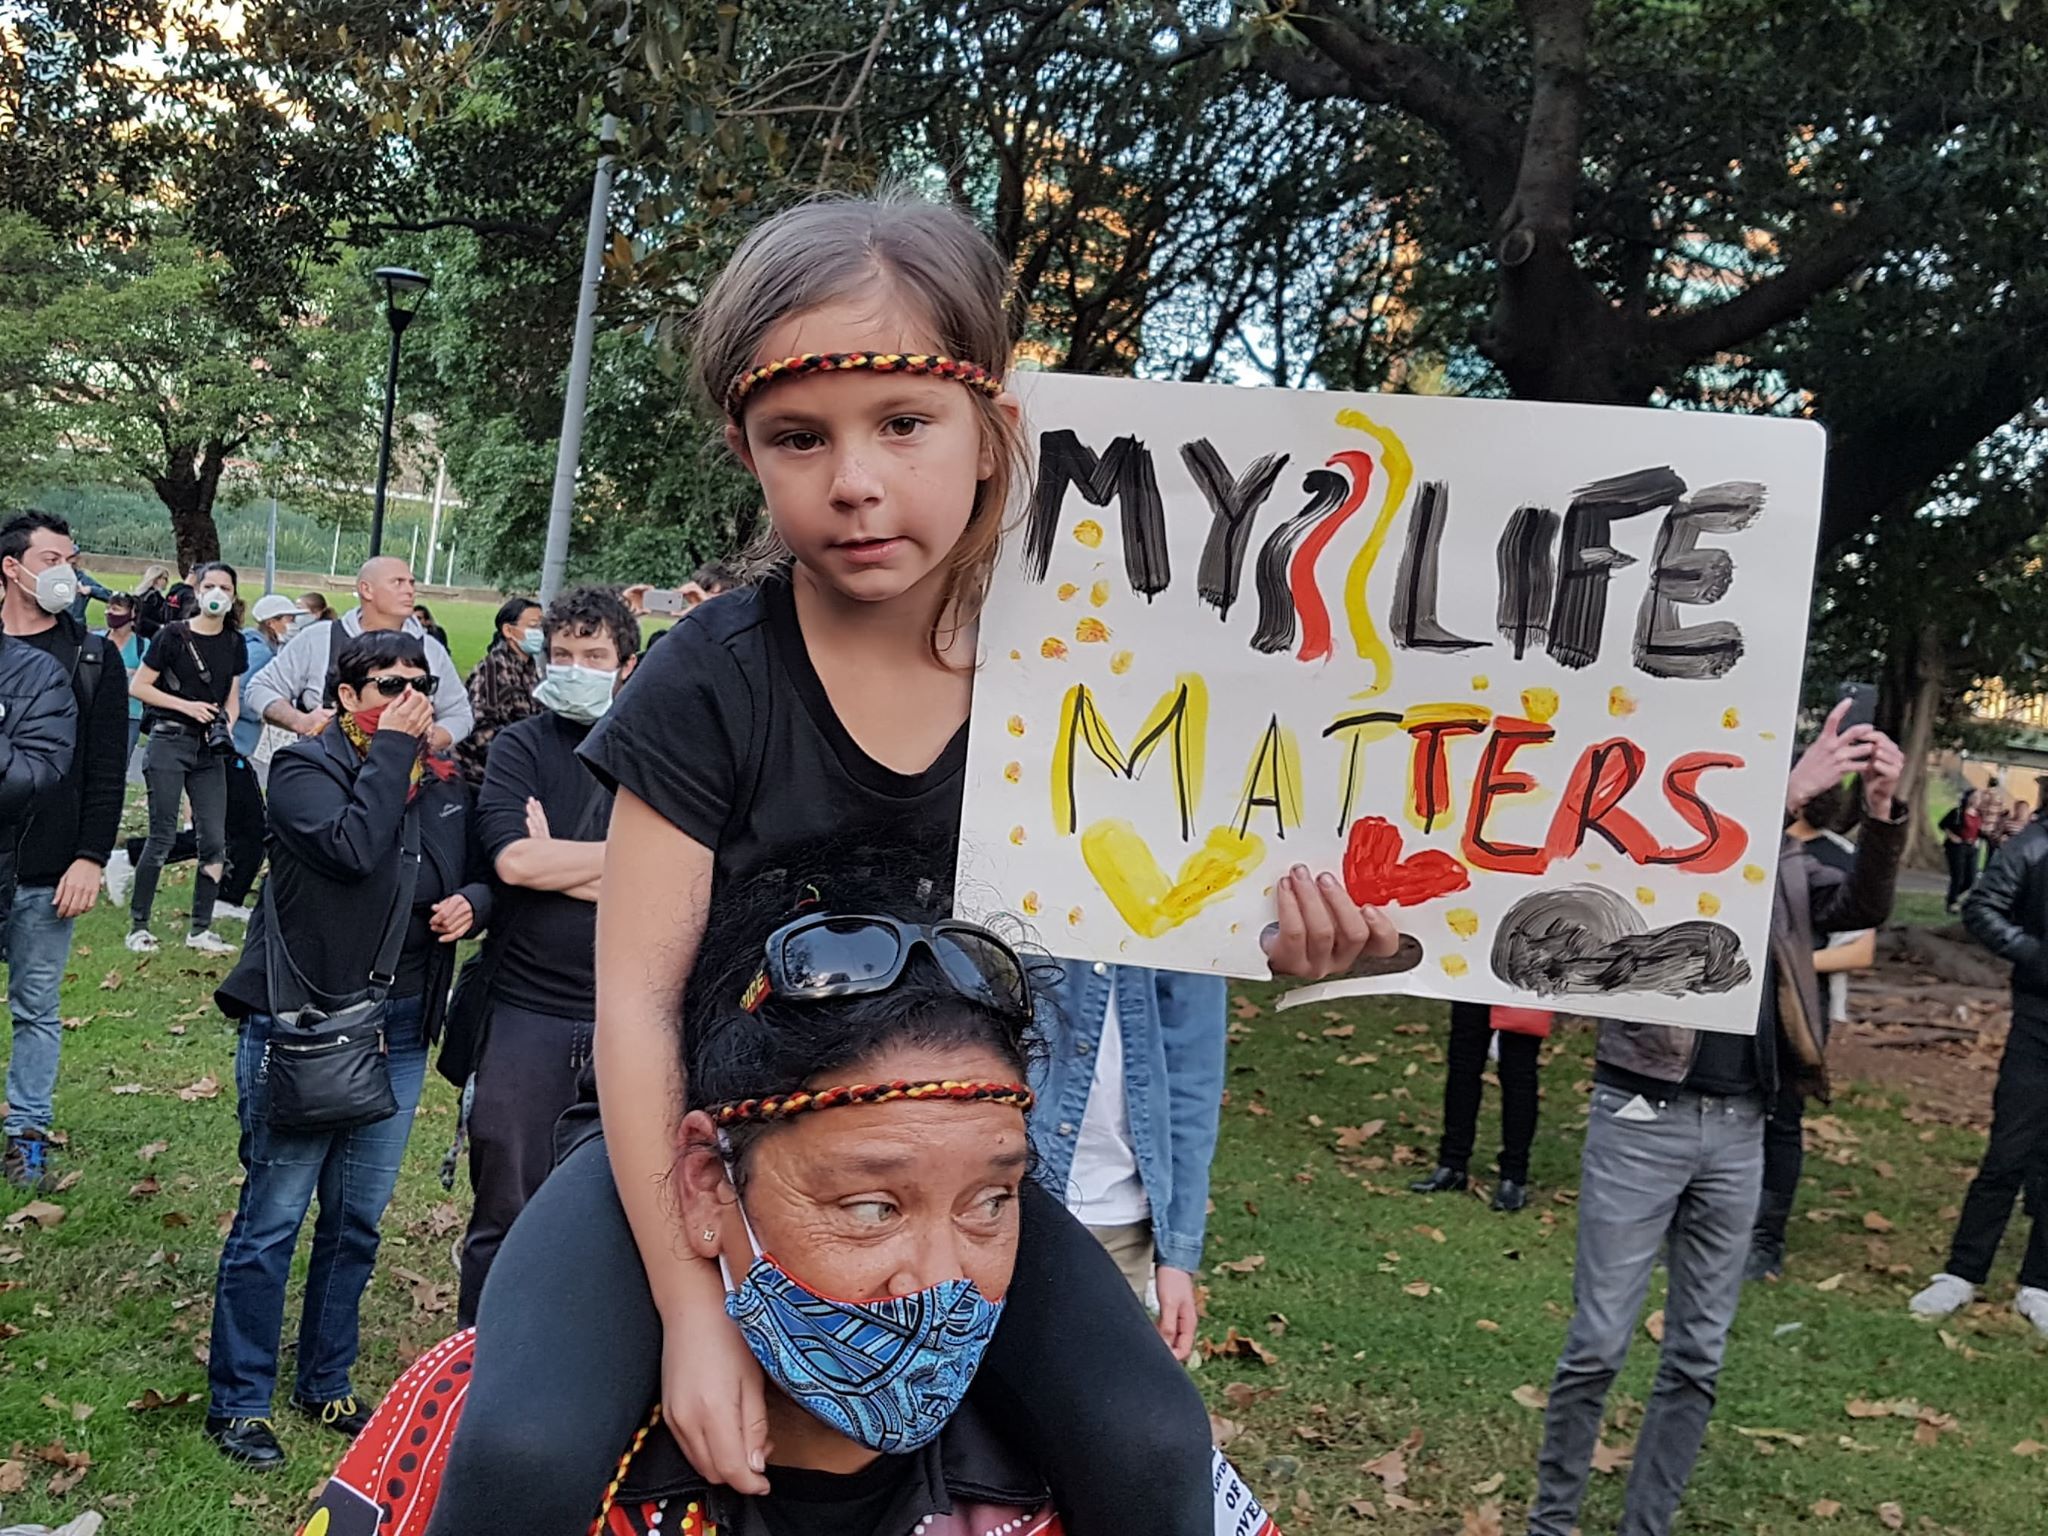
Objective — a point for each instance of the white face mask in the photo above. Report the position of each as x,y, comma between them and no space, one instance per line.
576,693
56,587
215,602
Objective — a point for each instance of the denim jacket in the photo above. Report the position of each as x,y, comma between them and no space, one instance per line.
1173,1040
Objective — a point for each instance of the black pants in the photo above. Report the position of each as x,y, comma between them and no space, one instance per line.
568,1359
1464,1083
246,827
1962,870
525,1078
179,768
2015,1162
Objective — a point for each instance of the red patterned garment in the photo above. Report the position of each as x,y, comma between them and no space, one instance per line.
388,1479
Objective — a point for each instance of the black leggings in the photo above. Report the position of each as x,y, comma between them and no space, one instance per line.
1464,1083
568,1358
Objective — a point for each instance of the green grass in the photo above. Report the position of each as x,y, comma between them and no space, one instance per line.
112,1302
1920,909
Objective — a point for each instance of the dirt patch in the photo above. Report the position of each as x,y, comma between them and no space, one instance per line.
1936,1039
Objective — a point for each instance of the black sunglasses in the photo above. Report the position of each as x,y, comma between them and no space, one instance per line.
827,955
392,687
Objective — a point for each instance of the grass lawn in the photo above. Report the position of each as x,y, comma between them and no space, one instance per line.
1380,1316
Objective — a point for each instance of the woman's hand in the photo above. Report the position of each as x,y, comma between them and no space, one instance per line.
410,714
1322,931
1177,1312
713,1401
452,918
198,709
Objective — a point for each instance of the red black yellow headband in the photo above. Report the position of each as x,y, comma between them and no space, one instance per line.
782,1106
973,375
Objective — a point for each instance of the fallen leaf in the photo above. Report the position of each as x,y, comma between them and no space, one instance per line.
1222,1431
1434,1234
1245,1008
1364,1509
1487,1325
1418,1288
151,1400
1609,1459
1401,1501
1483,1521
1785,1436
70,1180
1534,1398
1653,1325
176,1219
2029,1448
111,982
13,1476
142,1189
63,1482
1826,1509
1891,1516
1251,1263
1890,1408
1350,1137
1340,1032
41,1212
122,1088
1491,1484
208,1087
427,1297
1832,1283
1873,1222
1242,1394
149,1153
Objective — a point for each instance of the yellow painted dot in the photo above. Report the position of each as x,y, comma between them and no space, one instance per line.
1710,904
1120,663
1016,725
1098,594
1753,873
1014,772
1016,655
1030,903
1594,866
1766,735
317,1526
1073,917
1620,702
1067,591
1054,649
1731,719
1463,920
1481,683
1646,896
1091,631
1234,927
1088,532
1454,965
1539,704
1017,836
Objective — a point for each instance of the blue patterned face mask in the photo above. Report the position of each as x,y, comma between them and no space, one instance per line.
886,1374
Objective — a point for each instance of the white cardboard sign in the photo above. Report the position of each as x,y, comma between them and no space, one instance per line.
1523,674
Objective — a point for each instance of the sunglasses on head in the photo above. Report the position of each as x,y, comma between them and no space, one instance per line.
392,687
828,955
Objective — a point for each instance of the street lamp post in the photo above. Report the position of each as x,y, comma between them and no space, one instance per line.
403,289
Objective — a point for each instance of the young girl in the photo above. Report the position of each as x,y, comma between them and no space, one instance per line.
191,678
857,349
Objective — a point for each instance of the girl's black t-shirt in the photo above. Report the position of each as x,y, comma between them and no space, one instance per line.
726,731
196,666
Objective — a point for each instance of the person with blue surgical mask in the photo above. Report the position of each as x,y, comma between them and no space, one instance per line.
501,687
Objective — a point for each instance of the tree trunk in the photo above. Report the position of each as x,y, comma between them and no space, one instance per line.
187,486
1910,701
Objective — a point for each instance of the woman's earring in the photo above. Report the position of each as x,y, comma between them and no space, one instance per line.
710,1235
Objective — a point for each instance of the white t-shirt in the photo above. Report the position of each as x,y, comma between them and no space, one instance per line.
1103,1186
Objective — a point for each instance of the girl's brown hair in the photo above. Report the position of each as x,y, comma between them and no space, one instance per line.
937,261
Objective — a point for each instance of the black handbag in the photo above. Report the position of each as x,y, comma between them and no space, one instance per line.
326,1067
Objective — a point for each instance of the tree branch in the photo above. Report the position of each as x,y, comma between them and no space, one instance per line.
1716,328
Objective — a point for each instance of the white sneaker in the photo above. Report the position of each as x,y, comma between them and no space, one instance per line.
208,943
118,875
233,914
2032,1304
142,941
1945,1294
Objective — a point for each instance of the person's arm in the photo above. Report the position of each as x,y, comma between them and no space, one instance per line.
234,704
142,686
102,788
1988,911
1864,900
1193,1030
274,690
453,717
37,742
516,855
552,864
1855,954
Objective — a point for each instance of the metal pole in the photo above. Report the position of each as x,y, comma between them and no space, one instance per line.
397,319
413,559
270,551
555,559
334,560
434,532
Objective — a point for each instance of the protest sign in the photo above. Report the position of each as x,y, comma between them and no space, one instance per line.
1523,674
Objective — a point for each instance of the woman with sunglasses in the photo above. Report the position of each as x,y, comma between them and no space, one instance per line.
368,835
851,1159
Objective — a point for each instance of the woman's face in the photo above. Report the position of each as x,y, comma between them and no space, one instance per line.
874,1201
515,632
370,696
216,581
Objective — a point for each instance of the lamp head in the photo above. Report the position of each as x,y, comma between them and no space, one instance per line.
403,289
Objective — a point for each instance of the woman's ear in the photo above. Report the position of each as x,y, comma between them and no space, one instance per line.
705,1198
736,440
1007,405
348,698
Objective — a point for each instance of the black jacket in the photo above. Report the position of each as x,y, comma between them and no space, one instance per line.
336,838
2007,909
83,819
38,730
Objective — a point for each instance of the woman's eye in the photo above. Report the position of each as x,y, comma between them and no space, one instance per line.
903,426
799,442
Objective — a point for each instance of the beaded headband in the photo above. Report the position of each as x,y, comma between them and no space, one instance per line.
782,1106
973,375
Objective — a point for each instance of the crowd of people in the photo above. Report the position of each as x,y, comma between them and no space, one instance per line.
771,1159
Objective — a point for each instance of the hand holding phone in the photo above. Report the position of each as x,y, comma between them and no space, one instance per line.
666,600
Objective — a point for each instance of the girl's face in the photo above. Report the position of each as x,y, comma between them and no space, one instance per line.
216,581
869,477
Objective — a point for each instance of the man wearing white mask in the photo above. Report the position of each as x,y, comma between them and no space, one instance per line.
289,691
71,830
542,818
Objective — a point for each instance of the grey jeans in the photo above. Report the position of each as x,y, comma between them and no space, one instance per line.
1688,1168
177,768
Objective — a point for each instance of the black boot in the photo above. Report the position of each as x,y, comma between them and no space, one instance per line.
1445,1181
343,1415
1510,1195
252,1442
1767,1238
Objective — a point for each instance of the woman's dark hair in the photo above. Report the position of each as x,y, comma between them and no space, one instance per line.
508,613
1832,810
423,613
731,1054
360,655
233,618
320,609
591,611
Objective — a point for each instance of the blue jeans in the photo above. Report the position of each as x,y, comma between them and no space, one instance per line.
38,945
354,1173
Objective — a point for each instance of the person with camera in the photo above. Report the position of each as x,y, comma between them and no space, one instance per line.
190,684
340,991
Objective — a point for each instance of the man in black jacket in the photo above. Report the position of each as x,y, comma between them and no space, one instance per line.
2008,912
71,829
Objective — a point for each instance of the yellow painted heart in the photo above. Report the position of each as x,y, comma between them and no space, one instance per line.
317,1526
1122,863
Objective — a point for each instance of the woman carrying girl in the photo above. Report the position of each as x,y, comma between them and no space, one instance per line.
190,684
857,349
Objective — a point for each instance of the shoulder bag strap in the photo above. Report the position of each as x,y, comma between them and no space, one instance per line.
384,971
278,961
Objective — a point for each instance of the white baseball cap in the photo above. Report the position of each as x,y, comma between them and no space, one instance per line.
272,605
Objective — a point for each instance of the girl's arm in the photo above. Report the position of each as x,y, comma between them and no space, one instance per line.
656,889
234,702
1857,954
143,686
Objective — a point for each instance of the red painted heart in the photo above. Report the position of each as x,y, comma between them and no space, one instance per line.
1377,876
